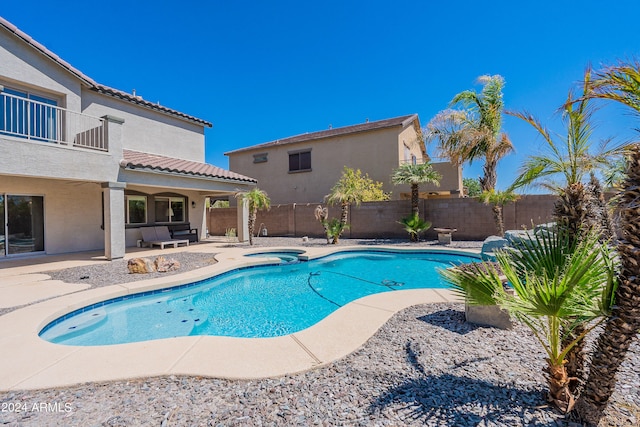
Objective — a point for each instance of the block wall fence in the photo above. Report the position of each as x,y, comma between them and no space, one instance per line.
472,219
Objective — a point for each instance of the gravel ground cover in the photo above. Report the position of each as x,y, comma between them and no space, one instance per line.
425,366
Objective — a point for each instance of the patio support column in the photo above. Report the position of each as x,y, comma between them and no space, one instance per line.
243,221
114,236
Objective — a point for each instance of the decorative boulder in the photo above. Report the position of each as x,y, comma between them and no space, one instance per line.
140,266
490,245
488,315
164,265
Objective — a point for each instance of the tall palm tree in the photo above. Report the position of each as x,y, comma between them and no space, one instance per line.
620,83
571,158
257,200
415,175
474,132
497,200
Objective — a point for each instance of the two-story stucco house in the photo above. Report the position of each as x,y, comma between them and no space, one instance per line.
84,166
304,168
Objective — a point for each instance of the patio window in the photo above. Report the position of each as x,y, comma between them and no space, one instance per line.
27,115
136,210
170,209
300,161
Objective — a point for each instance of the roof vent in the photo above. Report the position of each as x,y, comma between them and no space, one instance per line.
367,120
330,126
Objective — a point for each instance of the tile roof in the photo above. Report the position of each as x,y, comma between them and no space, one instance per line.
89,82
363,127
145,161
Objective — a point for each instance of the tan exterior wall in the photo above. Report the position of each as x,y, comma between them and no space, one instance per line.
147,130
72,211
376,153
472,219
373,152
195,214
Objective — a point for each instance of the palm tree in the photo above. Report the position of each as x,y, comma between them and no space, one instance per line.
415,174
322,215
345,192
497,200
558,284
414,225
475,132
572,159
335,227
619,83
257,200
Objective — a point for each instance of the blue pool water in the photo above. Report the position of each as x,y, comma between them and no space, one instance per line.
285,256
264,301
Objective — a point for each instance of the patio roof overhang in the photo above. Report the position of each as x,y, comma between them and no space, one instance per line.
146,169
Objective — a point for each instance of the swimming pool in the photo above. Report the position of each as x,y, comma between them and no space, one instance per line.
260,301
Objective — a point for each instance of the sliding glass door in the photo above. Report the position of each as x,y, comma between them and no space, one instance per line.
23,224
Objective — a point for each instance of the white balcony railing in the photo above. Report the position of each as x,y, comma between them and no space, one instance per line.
39,121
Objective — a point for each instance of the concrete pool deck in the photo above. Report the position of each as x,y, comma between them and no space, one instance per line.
28,362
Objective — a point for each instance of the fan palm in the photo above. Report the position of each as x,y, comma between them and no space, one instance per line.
475,132
414,225
415,175
558,284
335,227
256,200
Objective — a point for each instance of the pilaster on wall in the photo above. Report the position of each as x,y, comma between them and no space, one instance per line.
114,235
242,216
114,135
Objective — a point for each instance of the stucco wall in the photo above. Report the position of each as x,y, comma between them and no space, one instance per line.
22,65
472,219
147,130
72,211
195,214
377,153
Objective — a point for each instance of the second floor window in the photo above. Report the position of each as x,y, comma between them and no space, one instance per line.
27,115
300,161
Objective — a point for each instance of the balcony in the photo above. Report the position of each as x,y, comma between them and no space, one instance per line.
43,122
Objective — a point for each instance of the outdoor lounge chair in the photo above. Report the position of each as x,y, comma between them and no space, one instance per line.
159,236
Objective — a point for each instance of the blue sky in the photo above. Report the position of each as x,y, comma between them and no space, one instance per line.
266,70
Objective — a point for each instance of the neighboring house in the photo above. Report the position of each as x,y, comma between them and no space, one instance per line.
84,166
304,168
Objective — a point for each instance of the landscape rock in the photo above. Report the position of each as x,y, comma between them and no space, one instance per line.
140,266
163,264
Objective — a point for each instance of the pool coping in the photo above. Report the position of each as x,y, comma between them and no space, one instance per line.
29,362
